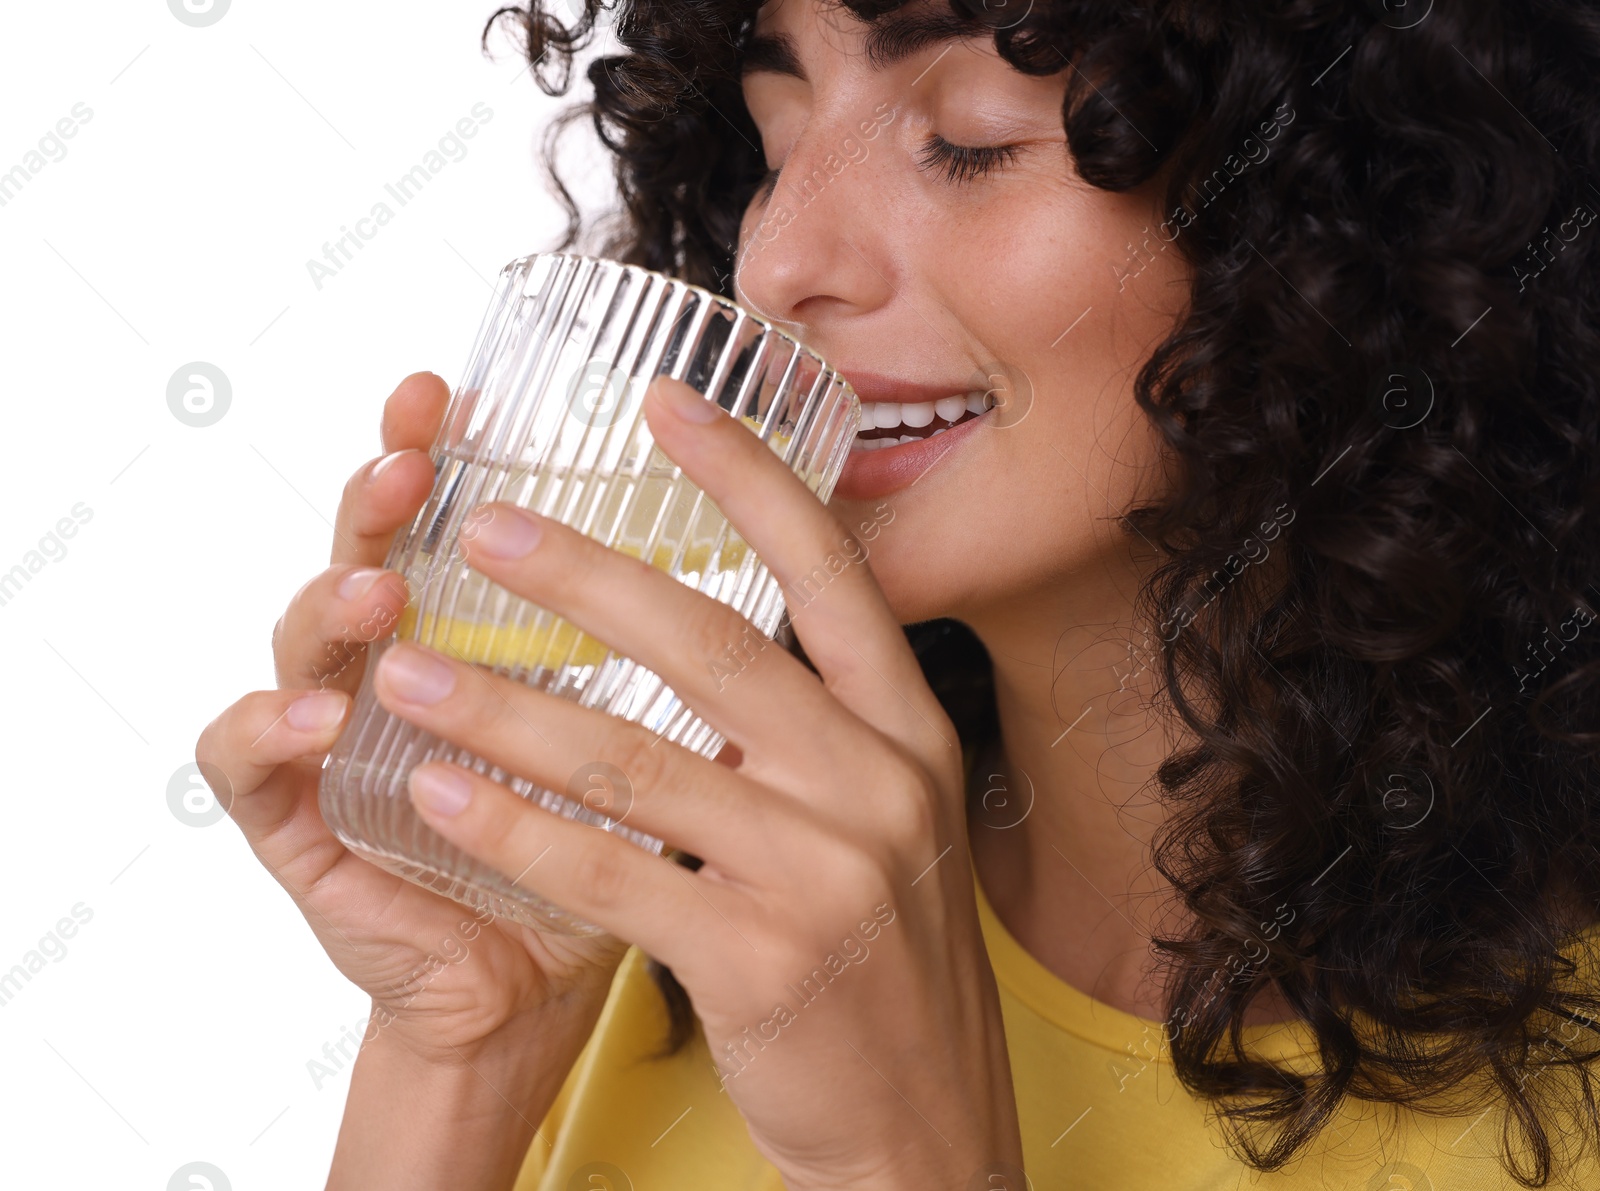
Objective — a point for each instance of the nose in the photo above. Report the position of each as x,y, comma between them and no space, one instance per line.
817,250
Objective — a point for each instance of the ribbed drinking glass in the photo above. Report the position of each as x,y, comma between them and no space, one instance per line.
549,416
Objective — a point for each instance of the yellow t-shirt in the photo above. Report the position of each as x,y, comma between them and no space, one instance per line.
1098,1103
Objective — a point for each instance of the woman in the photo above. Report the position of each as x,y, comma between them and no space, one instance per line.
1226,813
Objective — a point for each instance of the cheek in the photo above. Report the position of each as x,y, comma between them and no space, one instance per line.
1043,295
1071,279
1036,502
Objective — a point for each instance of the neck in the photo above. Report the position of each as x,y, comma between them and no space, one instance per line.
1063,847
1064,853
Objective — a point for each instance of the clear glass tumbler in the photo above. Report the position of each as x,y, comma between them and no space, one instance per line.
549,416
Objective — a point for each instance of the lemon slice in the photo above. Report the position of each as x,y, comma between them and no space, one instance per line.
550,642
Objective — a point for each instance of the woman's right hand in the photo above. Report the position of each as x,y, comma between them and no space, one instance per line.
444,982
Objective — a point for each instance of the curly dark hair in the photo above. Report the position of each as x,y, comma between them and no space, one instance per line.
1388,364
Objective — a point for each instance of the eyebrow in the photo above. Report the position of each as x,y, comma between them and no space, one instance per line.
891,39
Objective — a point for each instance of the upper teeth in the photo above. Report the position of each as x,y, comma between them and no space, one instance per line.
889,414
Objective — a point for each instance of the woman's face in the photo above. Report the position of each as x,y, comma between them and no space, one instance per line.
924,276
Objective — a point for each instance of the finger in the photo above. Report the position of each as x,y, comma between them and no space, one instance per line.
387,492
239,751
835,604
599,761
734,677
710,655
323,635
413,412
384,494
633,894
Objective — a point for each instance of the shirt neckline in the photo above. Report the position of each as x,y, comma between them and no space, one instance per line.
1074,1011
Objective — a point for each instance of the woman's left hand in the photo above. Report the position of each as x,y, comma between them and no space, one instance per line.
830,942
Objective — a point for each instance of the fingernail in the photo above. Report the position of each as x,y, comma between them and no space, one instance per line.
315,713
383,465
358,582
417,676
502,532
441,791
687,404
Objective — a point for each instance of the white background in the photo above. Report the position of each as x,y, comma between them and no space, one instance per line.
179,1023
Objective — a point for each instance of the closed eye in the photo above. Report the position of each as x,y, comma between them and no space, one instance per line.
962,163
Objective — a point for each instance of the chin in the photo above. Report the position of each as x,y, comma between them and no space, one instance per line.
915,576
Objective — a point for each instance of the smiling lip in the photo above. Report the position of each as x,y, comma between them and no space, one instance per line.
871,474
871,387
